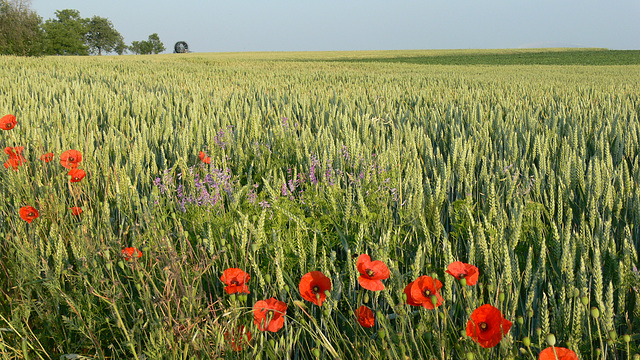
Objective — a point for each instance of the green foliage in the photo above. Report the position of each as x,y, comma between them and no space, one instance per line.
66,34
20,32
518,57
102,36
530,173
151,46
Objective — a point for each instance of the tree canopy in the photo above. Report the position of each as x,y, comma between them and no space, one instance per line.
23,33
65,35
102,36
151,46
20,29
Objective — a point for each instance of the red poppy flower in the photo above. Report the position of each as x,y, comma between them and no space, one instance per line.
46,157
14,163
563,354
8,122
236,281
15,157
460,270
313,285
70,159
15,152
268,315
236,338
407,292
76,210
28,213
423,289
131,253
205,159
364,315
487,326
371,273
76,175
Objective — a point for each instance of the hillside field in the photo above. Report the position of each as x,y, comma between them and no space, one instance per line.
523,163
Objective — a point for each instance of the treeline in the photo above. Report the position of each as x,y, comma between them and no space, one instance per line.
24,33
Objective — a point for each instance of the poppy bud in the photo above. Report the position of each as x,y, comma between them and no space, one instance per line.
551,340
327,293
609,341
626,338
381,333
286,288
598,352
316,352
584,300
254,247
595,312
121,264
469,355
520,320
108,266
463,282
404,298
365,299
613,335
576,292
530,313
232,297
538,331
434,300
326,312
526,341
138,287
379,314
501,296
636,357
267,278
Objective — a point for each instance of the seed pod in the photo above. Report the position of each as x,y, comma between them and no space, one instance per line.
551,340
595,312
526,341
584,300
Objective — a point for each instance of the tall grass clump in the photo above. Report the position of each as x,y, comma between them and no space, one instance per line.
198,164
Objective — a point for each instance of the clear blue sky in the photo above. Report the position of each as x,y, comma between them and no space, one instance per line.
288,25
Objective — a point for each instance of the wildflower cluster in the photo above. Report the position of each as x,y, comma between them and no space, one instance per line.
69,159
486,325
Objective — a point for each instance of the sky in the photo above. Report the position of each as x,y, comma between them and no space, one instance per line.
328,25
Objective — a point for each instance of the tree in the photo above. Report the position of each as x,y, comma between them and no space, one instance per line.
151,46
102,36
156,45
66,34
20,32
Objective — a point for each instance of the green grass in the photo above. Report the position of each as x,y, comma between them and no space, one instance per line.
541,57
529,172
